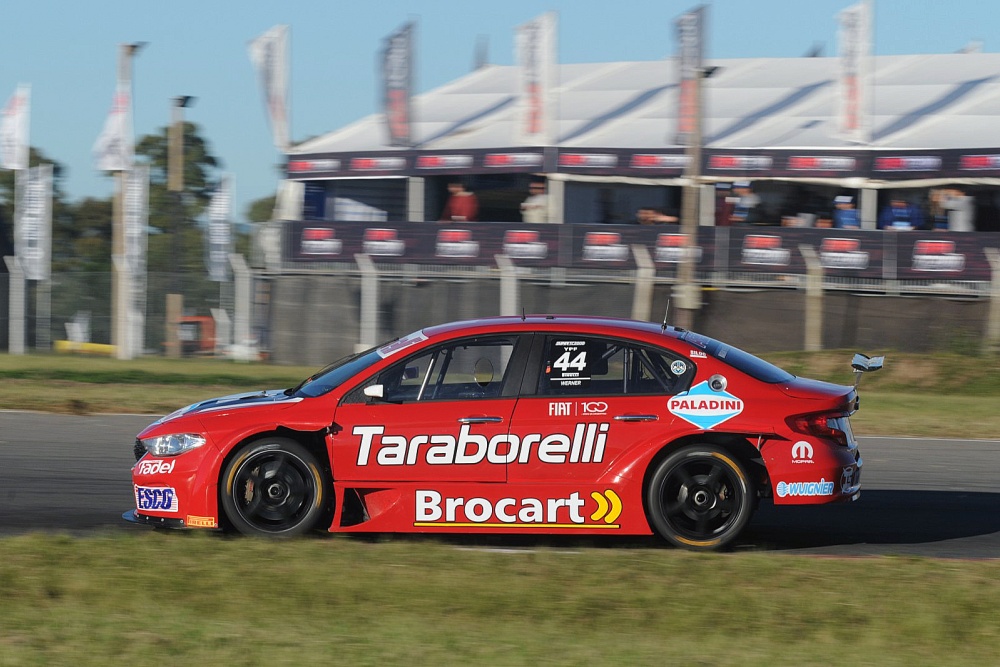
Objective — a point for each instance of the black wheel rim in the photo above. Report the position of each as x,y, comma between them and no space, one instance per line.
273,491
701,498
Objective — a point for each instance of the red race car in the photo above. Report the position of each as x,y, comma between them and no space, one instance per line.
540,424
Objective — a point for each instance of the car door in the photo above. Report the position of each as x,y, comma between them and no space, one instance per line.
589,400
444,415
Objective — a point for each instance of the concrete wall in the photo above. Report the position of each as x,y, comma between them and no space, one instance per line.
316,319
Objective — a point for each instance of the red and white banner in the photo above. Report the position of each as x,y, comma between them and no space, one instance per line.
269,55
535,55
397,85
115,146
33,227
690,57
14,130
220,237
855,49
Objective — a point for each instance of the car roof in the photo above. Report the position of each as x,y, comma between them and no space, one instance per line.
582,323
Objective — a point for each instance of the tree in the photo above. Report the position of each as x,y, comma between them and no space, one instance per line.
261,210
177,244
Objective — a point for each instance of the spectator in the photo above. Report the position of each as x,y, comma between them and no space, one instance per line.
660,217
746,210
961,210
725,202
937,213
462,205
536,207
900,215
845,215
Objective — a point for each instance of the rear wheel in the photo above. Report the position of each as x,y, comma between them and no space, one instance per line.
274,487
700,497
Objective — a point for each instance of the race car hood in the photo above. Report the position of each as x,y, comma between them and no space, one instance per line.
231,402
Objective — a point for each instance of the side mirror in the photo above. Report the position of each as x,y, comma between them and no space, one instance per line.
375,391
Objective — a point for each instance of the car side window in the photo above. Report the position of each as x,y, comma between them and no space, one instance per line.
463,370
583,366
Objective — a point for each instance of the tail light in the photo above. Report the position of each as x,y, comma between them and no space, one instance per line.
830,425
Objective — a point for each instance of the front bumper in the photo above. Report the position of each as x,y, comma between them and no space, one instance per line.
132,516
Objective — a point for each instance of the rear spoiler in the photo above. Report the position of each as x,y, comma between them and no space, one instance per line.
863,364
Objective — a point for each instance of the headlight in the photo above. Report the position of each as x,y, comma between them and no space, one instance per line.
174,444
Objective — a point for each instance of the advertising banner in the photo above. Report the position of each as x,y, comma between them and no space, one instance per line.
14,130
535,55
773,253
397,85
854,47
33,227
114,148
269,55
220,238
690,54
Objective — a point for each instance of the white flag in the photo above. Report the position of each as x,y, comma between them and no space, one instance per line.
114,148
269,55
535,54
14,130
855,47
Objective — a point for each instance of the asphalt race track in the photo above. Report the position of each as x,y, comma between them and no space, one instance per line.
936,498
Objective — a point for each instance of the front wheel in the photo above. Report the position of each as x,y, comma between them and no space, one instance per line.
700,497
274,487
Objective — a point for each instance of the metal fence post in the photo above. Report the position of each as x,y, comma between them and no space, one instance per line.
642,296
814,299
509,294
992,341
242,309
15,343
369,302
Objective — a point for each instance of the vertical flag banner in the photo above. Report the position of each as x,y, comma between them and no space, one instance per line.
855,48
397,85
690,56
14,130
220,238
136,223
269,55
33,226
535,55
114,148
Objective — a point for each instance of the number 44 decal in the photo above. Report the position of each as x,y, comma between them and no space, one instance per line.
564,363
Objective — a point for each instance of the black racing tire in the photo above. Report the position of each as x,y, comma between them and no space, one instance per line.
274,487
700,497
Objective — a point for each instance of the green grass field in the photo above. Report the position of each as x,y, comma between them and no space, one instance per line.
178,599
149,598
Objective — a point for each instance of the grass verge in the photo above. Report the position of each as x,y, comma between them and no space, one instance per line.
149,598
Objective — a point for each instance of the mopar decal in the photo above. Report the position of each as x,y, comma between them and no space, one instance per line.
434,509
585,446
705,408
159,499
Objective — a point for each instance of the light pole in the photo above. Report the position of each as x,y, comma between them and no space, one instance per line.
120,278
175,185
687,291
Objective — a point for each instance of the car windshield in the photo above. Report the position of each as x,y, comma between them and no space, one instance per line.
335,374
753,366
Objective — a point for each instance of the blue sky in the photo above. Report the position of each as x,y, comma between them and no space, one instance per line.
67,51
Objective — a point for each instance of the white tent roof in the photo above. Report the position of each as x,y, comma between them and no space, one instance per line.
919,102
